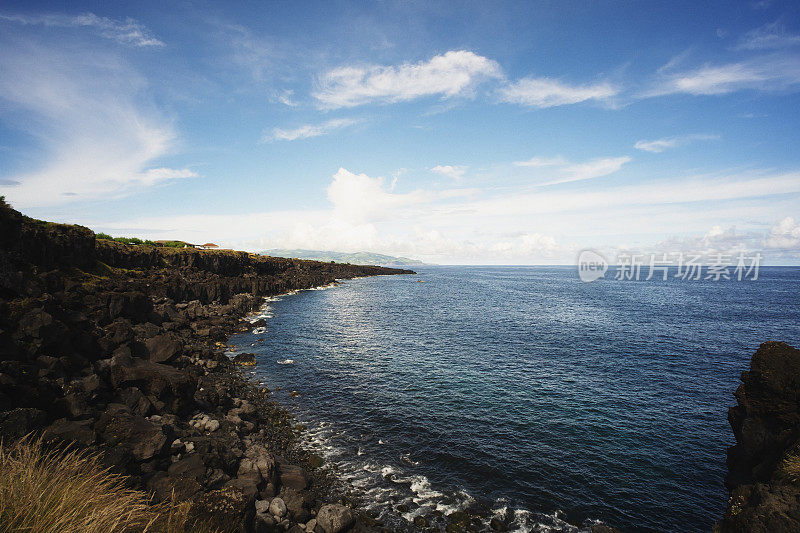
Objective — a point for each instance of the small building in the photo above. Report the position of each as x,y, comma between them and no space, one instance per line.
207,246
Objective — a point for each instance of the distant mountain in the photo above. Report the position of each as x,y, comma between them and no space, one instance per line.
357,258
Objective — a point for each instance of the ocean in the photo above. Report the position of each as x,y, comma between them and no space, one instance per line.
521,390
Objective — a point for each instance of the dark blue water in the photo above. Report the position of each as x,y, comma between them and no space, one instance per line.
526,391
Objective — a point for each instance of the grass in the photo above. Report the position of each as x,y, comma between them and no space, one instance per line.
69,491
789,468
136,241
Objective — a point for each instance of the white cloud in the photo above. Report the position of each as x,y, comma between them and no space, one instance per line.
717,240
450,74
768,36
309,130
541,162
766,74
285,97
156,175
128,32
547,92
659,145
502,227
358,198
455,172
99,137
564,171
784,235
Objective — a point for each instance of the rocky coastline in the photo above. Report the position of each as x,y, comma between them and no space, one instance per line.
120,349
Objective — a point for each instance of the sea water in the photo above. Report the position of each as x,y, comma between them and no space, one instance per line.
525,392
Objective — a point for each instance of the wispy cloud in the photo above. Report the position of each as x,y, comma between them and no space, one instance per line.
541,162
455,172
659,145
309,130
127,32
548,92
765,73
564,171
100,137
447,75
769,36
155,175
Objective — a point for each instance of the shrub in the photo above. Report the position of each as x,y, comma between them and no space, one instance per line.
69,491
125,240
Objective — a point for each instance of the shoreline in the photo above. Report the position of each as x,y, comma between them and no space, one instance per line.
118,348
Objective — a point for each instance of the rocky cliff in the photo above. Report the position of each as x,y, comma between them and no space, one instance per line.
119,348
764,465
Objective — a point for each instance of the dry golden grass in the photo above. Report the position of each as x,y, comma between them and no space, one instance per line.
68,491
790,468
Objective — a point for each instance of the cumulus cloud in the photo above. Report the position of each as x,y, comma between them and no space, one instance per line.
769,36
309,130
659,145
451,74
784,235
770,73
718,240
455,172
563,171
99,136
548,92
127,32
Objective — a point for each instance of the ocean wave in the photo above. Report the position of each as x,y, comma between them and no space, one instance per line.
259,330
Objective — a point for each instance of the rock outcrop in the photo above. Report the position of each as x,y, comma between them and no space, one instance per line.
120,348
764,465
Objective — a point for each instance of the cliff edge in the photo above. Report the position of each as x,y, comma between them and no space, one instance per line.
120,349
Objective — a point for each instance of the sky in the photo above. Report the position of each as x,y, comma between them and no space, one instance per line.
452,132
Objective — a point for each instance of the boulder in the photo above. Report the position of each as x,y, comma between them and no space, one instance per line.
262,506
71,431
297,504
335,518
164,347
19,422
262,460
189,466
277,507
245,359
294,477
165,487
117,426
222,509
244,485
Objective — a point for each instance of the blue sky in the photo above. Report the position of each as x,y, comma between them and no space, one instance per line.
513,133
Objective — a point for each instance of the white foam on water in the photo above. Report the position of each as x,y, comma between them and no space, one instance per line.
406,458
324,287
285,361
259,330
